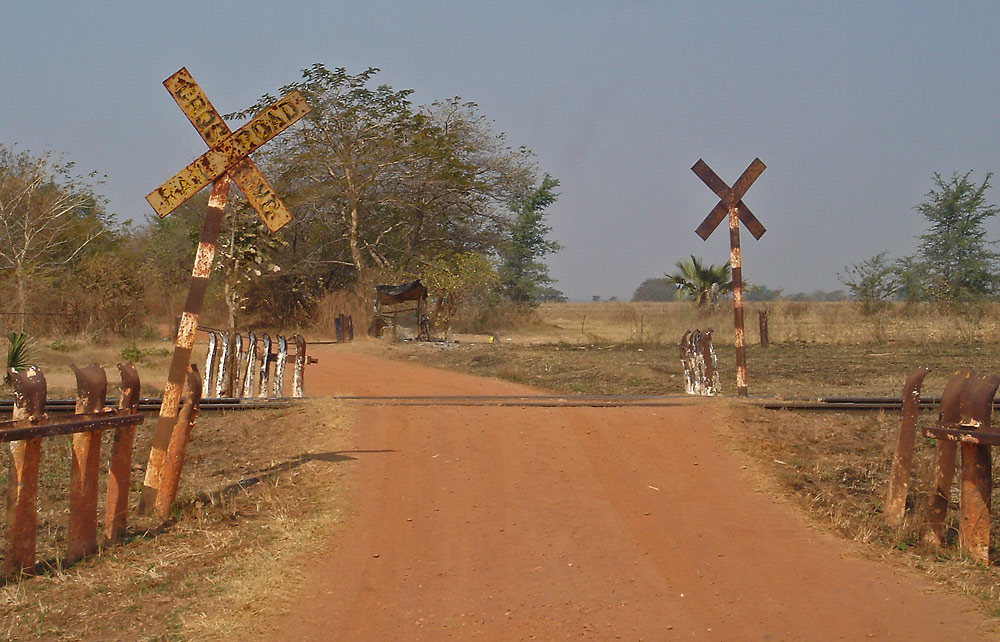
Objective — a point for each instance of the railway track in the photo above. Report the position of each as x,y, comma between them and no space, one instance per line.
840,404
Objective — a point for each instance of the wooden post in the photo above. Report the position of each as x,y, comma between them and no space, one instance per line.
185,340
762,318
174,458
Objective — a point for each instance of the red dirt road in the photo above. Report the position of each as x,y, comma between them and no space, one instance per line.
477,523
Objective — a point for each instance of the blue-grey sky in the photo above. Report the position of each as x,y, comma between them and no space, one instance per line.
852,105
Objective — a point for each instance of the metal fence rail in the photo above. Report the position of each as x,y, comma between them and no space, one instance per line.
25,431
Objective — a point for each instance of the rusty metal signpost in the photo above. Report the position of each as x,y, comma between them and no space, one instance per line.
731,204
226,160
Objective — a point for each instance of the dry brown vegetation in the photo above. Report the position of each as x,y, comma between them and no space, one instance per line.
835,323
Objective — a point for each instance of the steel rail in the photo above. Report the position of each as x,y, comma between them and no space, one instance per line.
548,401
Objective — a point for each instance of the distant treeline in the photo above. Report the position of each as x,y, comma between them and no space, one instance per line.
663,289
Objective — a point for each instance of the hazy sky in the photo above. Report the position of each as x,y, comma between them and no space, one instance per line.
852,107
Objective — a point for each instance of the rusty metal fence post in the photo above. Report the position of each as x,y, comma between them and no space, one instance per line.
239,358
687,362
943,468
902,461
25,431
91,392
265,367
22,482
977,468
711,364
120,467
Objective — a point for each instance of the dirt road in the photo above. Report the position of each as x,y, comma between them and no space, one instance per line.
578,523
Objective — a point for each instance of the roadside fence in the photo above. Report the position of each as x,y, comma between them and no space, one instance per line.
25,432
963,419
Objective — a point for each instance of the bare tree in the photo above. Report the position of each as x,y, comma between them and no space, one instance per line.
47,217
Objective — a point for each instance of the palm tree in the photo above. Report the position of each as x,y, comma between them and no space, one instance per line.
703,285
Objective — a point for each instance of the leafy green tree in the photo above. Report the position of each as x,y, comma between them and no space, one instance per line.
454,279
661,289
958,265
378,186
912,275
704,285
872,282
523,275
760,293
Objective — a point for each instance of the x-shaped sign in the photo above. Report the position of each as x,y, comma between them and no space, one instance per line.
229,151
730,197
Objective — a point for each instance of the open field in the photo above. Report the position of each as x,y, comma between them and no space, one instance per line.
789,321
248,511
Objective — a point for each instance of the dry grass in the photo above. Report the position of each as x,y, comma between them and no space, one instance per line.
250,508
788,322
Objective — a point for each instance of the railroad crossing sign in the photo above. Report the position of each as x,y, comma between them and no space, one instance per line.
228,151
731,204
730,197
226,160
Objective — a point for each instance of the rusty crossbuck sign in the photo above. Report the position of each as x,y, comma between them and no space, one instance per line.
227,159
731,204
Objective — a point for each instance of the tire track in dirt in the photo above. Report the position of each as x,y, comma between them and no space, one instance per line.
541,523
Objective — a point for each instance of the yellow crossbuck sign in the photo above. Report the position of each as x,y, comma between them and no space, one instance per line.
228,151
227,160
